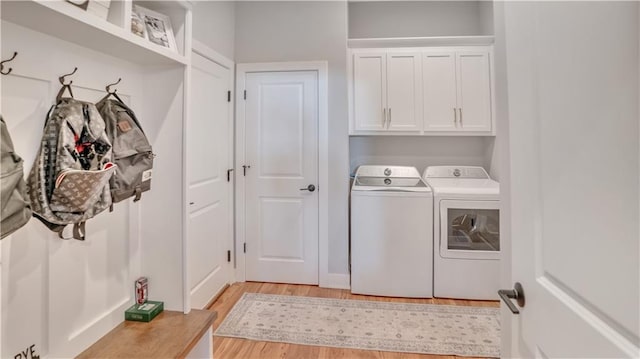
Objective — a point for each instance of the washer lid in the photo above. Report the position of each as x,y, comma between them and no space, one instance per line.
389,178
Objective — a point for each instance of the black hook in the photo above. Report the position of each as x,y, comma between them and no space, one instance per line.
62,78
108,88
15,53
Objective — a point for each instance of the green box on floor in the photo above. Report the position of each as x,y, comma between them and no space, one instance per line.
144,312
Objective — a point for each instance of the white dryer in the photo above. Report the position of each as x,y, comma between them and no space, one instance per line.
391,232
466,261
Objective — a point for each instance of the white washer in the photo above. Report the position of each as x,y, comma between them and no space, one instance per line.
391,233
466,261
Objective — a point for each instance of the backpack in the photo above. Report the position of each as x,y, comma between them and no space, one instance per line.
15,210
69,180
132,152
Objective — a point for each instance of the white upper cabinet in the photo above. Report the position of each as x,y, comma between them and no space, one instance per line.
404,92
370,91
426,91
457,91
387,93
440,95
474,91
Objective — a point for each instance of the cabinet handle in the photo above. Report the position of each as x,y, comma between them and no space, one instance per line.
460,109
384,117
455,116
389,122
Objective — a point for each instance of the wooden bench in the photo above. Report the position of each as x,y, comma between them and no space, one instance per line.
170,335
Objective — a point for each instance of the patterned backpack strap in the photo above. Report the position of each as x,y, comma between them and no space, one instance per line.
79,230
61,92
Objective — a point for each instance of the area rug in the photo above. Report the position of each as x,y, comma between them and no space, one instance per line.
369,325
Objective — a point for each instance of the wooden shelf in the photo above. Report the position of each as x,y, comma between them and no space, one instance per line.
67,22
420,41
169,335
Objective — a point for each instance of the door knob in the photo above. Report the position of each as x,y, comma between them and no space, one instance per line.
309,188
516,293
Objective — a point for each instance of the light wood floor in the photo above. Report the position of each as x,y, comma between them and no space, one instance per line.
231,348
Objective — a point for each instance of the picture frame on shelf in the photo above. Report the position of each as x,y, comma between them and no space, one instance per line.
83,4
138,27
157,27
99,8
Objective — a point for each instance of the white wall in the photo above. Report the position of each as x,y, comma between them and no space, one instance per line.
485,11
420,152
305,31
371,19
214,25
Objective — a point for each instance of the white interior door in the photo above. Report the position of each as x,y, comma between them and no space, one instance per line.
370,91
404,92
281,146
439,83
209,193
573,118
474,90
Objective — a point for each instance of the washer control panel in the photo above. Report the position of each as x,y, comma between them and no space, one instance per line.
456,172
387,171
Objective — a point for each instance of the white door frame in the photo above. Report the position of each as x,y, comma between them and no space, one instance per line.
321,67
210,54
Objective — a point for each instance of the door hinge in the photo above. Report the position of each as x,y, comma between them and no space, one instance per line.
228,256
245,247
228,96
245,94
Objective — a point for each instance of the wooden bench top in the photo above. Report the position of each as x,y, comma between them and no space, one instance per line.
169,335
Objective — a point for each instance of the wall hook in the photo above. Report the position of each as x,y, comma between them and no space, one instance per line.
15,53
63,77
108,88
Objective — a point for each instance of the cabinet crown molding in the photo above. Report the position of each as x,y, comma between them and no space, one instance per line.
420,41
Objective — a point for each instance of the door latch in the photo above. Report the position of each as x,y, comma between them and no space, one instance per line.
309,188
229,174
244,169
516,293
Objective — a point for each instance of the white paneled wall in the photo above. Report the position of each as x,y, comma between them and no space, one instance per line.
62,295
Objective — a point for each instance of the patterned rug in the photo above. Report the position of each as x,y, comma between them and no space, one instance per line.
357,324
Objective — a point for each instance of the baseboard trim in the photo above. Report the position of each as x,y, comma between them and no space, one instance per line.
215,297
337,281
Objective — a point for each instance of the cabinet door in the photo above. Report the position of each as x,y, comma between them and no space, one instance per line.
404,92
474,91
369,91
439,83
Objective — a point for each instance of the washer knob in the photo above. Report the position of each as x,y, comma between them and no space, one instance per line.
387,172
457,172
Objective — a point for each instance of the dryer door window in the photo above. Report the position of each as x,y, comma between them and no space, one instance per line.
470,229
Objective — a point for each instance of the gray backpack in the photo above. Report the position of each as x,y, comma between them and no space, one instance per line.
131,150
15,211
69,180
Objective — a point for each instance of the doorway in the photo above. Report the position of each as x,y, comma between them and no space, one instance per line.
281,180
209,186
